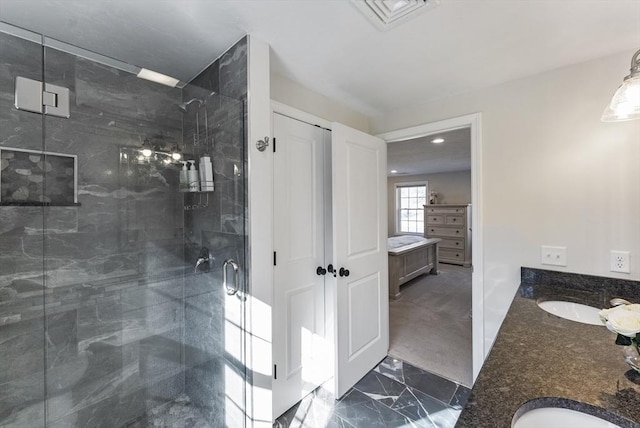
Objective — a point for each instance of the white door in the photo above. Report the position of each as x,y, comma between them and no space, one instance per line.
300,348
359,163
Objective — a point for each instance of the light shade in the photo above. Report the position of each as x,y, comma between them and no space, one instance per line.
154,76
625,104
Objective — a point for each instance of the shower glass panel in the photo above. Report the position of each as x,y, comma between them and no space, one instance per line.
113,311
22,338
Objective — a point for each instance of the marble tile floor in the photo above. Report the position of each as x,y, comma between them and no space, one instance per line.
179,413
394,394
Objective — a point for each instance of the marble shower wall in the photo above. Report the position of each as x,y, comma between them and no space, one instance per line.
102,320
214,346
21,276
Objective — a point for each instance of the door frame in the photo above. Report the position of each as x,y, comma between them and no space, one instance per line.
474,122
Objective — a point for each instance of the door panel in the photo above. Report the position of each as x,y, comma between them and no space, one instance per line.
359,242
364,326
363,217
300,347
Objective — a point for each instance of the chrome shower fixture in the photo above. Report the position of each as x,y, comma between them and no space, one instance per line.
201,103
183,106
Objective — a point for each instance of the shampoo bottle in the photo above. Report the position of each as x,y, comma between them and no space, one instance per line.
184,177
206,174
192,174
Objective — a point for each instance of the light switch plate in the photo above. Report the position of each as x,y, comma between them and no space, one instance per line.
556,256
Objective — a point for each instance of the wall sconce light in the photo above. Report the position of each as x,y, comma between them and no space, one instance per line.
147,149
157,152
175,153
625,104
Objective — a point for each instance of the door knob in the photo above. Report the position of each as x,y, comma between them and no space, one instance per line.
321,271
344,272
331,270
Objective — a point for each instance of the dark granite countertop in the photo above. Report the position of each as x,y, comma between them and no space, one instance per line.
540,360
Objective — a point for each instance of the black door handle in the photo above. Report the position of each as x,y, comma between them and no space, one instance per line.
321,271
344,272
331,270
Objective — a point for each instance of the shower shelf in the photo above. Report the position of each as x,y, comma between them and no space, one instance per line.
38,204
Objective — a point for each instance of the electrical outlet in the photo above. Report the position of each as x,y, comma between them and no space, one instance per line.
620,261
556,256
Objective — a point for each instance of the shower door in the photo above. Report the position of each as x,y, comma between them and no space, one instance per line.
105,319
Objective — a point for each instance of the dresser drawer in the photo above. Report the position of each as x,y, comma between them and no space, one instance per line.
435,219
445,231
451,255
454,219
456,244
444,210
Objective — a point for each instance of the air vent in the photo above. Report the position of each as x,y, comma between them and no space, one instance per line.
386,14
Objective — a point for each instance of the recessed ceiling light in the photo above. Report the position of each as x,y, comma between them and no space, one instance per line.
393,171
437,140
154,76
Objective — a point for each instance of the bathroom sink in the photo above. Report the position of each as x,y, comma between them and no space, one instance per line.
559,417
572,311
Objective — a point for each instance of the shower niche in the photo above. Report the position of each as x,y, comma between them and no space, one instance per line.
103,319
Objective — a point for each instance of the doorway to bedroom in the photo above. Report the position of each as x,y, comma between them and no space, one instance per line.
429,196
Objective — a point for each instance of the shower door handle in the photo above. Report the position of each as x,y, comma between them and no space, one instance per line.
231,290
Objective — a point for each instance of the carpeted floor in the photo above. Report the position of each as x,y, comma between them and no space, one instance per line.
430,325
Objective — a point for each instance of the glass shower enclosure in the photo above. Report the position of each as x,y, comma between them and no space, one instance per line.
114,310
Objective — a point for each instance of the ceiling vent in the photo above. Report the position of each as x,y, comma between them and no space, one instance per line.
386,14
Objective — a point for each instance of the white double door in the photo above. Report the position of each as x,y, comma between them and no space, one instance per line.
329,209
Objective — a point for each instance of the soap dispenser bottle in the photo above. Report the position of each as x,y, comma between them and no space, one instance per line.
206,174
184,177
192,174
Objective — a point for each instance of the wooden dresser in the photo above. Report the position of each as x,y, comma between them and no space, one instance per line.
451,223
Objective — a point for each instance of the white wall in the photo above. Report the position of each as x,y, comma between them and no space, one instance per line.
260,264
553,174
452,188
295,95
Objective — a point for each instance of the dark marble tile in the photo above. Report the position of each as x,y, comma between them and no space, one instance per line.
362,411
233,70
380,388
113,411
391,368
18,57
160,356
181,412
429,383
207,81
214,392
425,410
312,411
22,400
62,347
460,397
22,349
410,408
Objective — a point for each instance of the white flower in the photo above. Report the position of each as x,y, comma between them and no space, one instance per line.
624,319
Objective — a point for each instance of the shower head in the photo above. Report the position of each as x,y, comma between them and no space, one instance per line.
183,106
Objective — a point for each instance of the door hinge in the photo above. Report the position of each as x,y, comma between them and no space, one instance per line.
275,371
274,258
34,96
274,144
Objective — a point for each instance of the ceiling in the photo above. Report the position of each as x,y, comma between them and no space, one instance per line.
421,156
329,46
